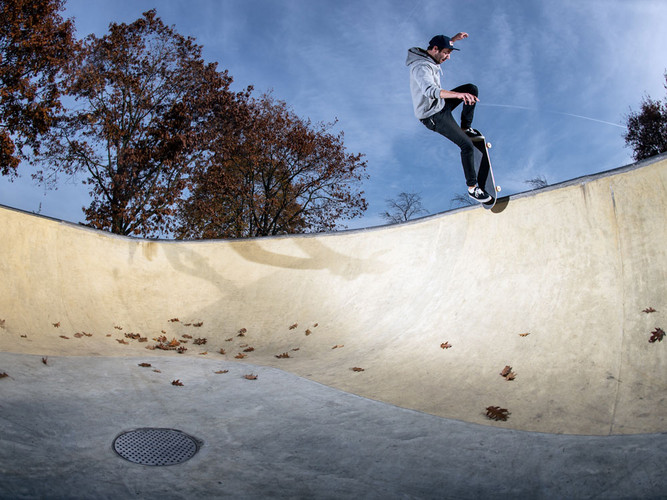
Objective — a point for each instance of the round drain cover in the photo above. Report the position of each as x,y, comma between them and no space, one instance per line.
155,446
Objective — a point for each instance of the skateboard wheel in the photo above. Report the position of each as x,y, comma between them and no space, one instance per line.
498,188
488,145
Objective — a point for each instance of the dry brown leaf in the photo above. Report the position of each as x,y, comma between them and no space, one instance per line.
250,377
445,345
283,355
176,382
145,365
497,413
357,369
221,371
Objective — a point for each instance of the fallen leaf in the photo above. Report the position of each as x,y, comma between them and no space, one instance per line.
186,336
241,356
45,360
174,320
3,375
201,341
357,369
203,353
121,341
649,310
250,377
308,332
219,372
64,337
249,349
222,351
145,365
657,335
283,355
57,325
338,346
157,371
445,345
295,325
176,382
497,413
524,334
197,325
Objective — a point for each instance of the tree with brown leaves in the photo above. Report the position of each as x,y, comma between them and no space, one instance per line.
146,104
283,175
647,129
36,44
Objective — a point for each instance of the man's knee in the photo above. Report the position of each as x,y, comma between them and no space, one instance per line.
473,89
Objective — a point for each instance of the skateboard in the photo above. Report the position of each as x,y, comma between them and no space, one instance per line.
484,171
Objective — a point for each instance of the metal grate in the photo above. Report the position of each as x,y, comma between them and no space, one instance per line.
151,446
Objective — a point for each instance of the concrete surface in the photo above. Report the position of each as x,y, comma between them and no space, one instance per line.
552,283
282,436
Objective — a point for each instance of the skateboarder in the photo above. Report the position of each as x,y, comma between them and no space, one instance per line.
434,105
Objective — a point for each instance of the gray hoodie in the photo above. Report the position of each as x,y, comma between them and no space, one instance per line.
424,83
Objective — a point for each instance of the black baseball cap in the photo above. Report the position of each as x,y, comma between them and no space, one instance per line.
442,42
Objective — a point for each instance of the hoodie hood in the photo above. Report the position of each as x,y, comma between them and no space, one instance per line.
417,54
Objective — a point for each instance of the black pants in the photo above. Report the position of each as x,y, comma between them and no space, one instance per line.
443,123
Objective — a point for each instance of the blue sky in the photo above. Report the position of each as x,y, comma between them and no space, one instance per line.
556,80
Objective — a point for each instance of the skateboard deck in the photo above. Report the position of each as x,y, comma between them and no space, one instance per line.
484,171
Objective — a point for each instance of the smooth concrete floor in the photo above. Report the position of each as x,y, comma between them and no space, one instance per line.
281,436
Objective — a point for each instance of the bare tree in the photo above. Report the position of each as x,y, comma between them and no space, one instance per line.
461,200
403,208
537,182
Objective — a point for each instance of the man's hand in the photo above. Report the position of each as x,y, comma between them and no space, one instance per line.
459,36
468,98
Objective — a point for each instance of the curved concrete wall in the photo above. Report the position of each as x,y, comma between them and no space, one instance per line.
573,266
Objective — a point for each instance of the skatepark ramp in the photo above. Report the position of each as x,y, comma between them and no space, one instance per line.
423,315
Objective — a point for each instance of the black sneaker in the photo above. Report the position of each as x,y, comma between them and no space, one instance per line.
472,133
479,195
